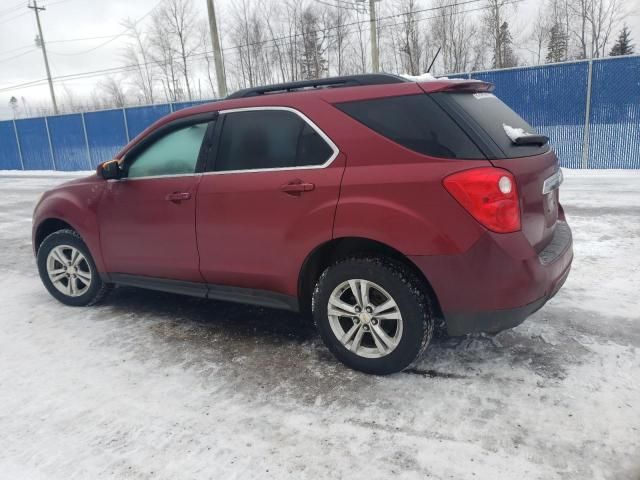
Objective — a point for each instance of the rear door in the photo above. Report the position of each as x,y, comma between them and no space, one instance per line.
268,198
532,164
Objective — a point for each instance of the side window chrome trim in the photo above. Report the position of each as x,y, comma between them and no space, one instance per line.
152,177
304,118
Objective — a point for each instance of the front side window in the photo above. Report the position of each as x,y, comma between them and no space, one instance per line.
266,139
174,154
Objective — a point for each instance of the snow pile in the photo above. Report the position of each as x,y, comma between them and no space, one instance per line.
45,173
425,77
515,133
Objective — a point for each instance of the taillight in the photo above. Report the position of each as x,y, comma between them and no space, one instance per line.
489,195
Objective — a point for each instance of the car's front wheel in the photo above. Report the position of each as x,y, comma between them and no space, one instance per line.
68,271
373,314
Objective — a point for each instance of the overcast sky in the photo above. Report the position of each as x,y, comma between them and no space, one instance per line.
21,61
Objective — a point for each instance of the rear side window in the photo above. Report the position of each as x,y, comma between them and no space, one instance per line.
491,114
415,122
267,139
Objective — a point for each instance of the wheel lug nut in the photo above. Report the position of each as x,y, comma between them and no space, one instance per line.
358,309
356,319
366,329
369,309
374,321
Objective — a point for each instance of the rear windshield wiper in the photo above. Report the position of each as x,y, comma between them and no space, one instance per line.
519,137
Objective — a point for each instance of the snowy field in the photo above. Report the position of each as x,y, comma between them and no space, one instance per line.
152,385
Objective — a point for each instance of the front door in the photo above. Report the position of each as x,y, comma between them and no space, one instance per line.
268,200
147,219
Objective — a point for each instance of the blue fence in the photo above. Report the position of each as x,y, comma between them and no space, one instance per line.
589,109
77,141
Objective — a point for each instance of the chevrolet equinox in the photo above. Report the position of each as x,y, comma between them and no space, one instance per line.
378,205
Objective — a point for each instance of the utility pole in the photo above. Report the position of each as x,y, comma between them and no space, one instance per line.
37,9
217,53
375,61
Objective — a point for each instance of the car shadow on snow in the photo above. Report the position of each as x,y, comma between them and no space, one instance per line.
258,344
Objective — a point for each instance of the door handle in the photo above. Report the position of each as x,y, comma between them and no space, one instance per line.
177,197
297,187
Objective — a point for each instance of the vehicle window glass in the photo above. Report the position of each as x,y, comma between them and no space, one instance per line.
312,148
415,122
174,154
262,139
492,114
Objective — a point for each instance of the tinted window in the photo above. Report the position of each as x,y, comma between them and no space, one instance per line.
174,154
415,122
492,114
312,149
269,139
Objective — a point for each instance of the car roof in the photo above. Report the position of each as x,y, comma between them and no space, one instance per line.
331,90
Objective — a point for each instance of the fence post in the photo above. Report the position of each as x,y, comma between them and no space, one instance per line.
585,141
53,158
126,124
86,141
15,130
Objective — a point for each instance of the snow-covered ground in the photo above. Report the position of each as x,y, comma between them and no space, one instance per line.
152,385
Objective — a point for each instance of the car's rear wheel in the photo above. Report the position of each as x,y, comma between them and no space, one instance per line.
68,270
373,314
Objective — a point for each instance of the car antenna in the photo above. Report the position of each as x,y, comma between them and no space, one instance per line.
435,57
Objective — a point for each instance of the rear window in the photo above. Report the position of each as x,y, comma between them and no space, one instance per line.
491,114
415,122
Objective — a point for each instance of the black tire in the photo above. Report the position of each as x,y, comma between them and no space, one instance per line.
97,289
408,292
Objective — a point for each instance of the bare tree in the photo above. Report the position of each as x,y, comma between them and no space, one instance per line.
454,33
337,35
539,35
163,54
412,42
136,53
113,93
494,18
178,20
593,23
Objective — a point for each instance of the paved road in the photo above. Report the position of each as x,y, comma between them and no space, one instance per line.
152,385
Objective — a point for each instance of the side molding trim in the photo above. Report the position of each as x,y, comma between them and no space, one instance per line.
250,296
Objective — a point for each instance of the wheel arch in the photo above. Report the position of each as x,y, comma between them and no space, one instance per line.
48,226
333,250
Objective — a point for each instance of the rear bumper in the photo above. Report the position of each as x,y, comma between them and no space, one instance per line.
499,281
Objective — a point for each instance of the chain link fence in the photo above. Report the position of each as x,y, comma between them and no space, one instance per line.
590,109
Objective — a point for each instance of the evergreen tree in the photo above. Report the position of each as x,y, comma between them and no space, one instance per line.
623,44
558,44
313,63
507,57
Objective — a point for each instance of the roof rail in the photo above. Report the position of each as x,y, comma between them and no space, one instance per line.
331,82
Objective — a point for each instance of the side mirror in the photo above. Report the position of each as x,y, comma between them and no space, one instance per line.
110,170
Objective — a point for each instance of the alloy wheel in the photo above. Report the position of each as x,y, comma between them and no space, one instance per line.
365,318
69,270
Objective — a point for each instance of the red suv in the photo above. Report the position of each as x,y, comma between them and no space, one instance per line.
379,205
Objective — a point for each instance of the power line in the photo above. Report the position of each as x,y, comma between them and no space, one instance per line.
125,68
14,8
340,4
113,38
7,20
4,60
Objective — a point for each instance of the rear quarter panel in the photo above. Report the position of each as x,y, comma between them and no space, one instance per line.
395,196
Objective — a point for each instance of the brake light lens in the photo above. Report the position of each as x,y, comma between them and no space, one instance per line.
489,195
